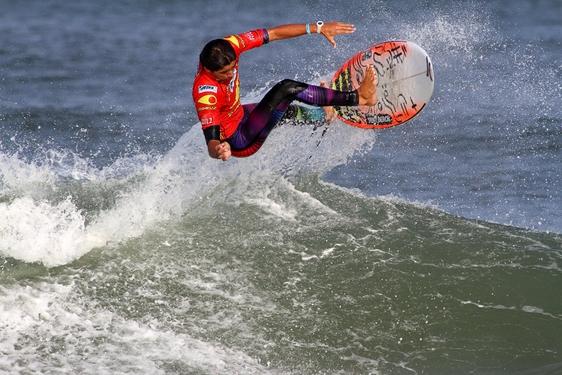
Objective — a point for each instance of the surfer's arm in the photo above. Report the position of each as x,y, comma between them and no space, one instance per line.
328,29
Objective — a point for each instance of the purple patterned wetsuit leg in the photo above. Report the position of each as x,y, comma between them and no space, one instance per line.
260,119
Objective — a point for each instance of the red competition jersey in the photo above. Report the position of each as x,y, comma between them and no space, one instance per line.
219,103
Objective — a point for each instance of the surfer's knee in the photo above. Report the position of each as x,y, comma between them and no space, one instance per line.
289,87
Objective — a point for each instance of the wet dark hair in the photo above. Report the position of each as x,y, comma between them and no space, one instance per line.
217,54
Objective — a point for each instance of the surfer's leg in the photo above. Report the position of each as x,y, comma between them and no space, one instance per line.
289,90
271,108
262,118
326,97
251,135
255,127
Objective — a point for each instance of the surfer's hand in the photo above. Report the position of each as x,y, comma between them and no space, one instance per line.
223,151
331,29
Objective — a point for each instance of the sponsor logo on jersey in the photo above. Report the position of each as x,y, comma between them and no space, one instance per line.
250,35
207,88
208,99
207,121
208,108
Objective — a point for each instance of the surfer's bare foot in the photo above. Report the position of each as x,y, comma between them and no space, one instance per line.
368,89
328,111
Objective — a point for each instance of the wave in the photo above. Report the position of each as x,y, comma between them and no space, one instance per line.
259,250
56,209
59,207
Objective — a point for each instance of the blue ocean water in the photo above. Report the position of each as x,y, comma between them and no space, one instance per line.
434,247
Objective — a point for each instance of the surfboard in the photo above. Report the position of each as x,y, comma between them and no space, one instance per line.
405,84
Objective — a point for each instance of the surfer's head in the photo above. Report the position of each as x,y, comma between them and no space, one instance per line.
219,58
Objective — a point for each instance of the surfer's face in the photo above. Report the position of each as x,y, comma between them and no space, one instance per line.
224,74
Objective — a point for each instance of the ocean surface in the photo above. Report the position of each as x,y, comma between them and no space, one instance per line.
434,247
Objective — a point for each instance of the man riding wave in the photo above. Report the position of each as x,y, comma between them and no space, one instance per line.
233,129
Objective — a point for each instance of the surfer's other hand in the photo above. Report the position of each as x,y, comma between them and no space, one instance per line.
223,151
331,29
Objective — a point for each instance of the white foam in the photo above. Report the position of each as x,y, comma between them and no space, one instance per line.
36,231
45,325
279,198
297,149
19,177
55,233
182,175
40,177
35,224
274,208
526,308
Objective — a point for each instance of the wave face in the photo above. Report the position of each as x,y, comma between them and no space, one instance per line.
433,247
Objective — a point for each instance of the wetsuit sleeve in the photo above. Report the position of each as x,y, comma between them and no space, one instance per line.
248,40
212,132
205,98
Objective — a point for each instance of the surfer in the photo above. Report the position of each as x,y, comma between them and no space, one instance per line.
232,129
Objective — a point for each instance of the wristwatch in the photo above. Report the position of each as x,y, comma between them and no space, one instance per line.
319,25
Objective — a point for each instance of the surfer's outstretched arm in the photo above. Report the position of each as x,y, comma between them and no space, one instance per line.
329,30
